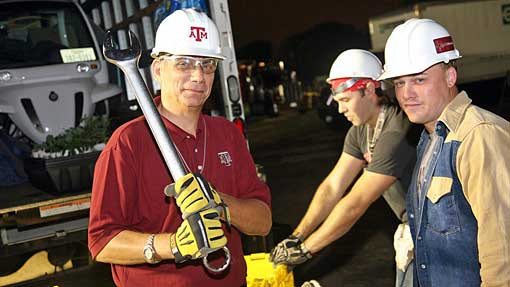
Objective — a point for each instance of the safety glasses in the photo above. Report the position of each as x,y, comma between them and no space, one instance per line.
188,64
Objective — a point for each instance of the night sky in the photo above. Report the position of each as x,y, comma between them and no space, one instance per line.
275,20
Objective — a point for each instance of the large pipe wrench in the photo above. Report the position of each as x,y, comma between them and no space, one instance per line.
127,61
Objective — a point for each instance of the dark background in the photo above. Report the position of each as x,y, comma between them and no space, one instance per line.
307,35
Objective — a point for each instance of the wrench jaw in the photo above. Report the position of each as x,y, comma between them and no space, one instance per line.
115,55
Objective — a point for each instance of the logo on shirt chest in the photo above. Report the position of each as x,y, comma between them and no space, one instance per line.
225,158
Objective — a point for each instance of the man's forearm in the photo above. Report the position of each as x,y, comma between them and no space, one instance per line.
329,192
349,209
127,248
321,205
250,216
342,218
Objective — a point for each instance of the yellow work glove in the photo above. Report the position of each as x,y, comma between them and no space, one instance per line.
193,193
198,235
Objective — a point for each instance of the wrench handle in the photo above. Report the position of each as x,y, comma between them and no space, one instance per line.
163,139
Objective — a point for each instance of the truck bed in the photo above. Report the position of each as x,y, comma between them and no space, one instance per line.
28,214
25,196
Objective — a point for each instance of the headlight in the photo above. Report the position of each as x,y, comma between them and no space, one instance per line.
5,76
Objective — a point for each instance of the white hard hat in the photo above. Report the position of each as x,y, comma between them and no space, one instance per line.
188,32
416,45
355,63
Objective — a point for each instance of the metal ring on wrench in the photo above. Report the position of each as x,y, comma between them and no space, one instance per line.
221,268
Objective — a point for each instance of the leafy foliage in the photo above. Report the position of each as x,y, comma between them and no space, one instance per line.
91,131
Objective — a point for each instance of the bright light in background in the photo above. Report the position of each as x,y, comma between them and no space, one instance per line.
5,76
281,65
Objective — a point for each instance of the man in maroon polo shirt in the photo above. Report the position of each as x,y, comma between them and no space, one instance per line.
133,225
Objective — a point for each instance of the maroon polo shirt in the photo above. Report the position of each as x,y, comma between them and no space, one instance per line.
127,194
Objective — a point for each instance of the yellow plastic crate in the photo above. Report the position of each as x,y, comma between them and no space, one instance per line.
261,272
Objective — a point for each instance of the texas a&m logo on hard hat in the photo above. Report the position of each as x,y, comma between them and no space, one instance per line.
444,44
198,33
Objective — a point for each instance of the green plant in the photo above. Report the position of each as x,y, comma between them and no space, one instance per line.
91,131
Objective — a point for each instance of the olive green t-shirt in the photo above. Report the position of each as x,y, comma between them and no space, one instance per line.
394,154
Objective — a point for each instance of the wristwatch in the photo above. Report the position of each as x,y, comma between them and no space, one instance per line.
149,252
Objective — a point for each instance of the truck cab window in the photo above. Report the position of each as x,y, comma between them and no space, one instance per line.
34,34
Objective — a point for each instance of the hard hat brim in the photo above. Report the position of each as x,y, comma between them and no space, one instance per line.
388,75
155,54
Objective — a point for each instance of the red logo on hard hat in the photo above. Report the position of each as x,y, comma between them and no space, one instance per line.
444,44
198,33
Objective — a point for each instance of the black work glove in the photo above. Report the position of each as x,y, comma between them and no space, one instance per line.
291,251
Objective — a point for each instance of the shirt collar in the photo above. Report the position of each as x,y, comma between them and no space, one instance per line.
454,111
178,134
